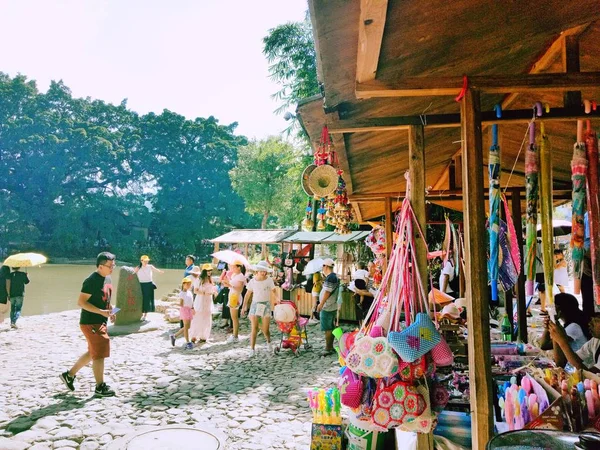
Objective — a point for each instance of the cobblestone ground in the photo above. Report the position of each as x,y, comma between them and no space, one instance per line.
257,402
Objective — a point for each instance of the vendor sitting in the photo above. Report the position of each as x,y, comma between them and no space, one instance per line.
567,341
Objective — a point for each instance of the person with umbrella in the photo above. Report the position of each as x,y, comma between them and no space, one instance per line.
18,280
235,281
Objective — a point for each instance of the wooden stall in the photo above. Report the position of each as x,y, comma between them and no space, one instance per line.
411,86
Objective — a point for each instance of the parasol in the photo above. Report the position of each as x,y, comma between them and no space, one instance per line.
494,221
25,260
313,266
579,167
559,227
231,257
531,197
546,213
593,204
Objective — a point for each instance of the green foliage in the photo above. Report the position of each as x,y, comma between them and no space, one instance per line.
267,178
290,51
79,171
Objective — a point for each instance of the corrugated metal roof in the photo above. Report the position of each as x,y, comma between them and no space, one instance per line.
253,237
340,238
309,237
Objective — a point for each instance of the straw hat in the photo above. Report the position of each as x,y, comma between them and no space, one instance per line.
207,266
262,266
186,280
323,180
307,190
144,258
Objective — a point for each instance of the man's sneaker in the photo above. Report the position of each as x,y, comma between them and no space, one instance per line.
232,339
313,321
172,340
252,353
68,380
13,326
269,347
104,390
189,346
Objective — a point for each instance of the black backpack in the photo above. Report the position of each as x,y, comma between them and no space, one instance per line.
309,284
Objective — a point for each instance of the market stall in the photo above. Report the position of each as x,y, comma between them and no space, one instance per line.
412,88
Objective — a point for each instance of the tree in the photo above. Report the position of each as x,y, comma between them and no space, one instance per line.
290,51
267,178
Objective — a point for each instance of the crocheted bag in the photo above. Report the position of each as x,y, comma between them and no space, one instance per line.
372,357
415,340
351,389
442,354
411,371
424,422
393,405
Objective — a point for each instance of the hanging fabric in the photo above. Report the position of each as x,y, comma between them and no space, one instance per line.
579,165
593,204
546,205
494,220
531,196
511,236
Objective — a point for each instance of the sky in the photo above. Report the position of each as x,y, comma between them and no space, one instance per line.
194,57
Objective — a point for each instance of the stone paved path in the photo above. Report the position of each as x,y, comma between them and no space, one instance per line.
258,403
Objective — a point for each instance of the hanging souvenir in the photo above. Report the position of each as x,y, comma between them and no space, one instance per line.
494,220
579,165
321,216
546,206
593,205
531,196
307,223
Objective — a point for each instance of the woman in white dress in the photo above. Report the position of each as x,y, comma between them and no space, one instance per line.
205,291
144,273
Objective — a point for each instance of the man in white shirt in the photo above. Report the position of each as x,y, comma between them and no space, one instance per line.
588,356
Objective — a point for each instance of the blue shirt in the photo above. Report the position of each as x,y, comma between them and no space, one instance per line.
188,269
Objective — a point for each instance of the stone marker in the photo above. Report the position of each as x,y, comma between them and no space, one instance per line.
129,297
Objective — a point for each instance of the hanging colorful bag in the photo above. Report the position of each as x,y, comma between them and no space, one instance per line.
442,354
372,357
412,371
423,422
351,389
415,340
394,404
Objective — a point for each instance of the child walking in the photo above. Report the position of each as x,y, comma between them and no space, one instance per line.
260,290
186,312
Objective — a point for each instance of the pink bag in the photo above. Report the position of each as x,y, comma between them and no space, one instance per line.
351,389
442,354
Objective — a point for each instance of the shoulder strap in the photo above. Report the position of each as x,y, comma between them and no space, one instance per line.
596,355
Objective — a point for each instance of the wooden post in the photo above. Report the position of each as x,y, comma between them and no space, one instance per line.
570,59
215,260
416,161
480,372
515,200
389,227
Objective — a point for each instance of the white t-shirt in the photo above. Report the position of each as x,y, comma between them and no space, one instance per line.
561,276
188,298
588,352
360,274
449,271
261,289
575,332
144,274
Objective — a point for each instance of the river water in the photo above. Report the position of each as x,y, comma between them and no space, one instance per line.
56,287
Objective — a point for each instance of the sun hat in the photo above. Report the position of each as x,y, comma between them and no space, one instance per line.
328,262
461,303
237,262
450,311
186,280
323,180
196,271
307,190
207,266
144,258
262,266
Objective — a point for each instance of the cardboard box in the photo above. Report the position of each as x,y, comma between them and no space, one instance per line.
326,437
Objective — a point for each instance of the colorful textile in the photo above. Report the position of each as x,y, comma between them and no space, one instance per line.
531,197
416,340
511,236
593,204
579,166
494,220
546,206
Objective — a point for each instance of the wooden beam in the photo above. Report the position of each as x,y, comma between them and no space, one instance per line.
547,59
416,158
480,371
370,36
515,201
570,60
456,193
490,84
402,123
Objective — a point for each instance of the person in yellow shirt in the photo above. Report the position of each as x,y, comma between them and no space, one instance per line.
315,292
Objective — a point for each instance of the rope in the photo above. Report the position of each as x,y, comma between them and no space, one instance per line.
517,158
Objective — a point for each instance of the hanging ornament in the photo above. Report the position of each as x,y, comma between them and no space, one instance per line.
307,223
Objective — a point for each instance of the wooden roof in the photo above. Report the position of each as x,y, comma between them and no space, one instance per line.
441,39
